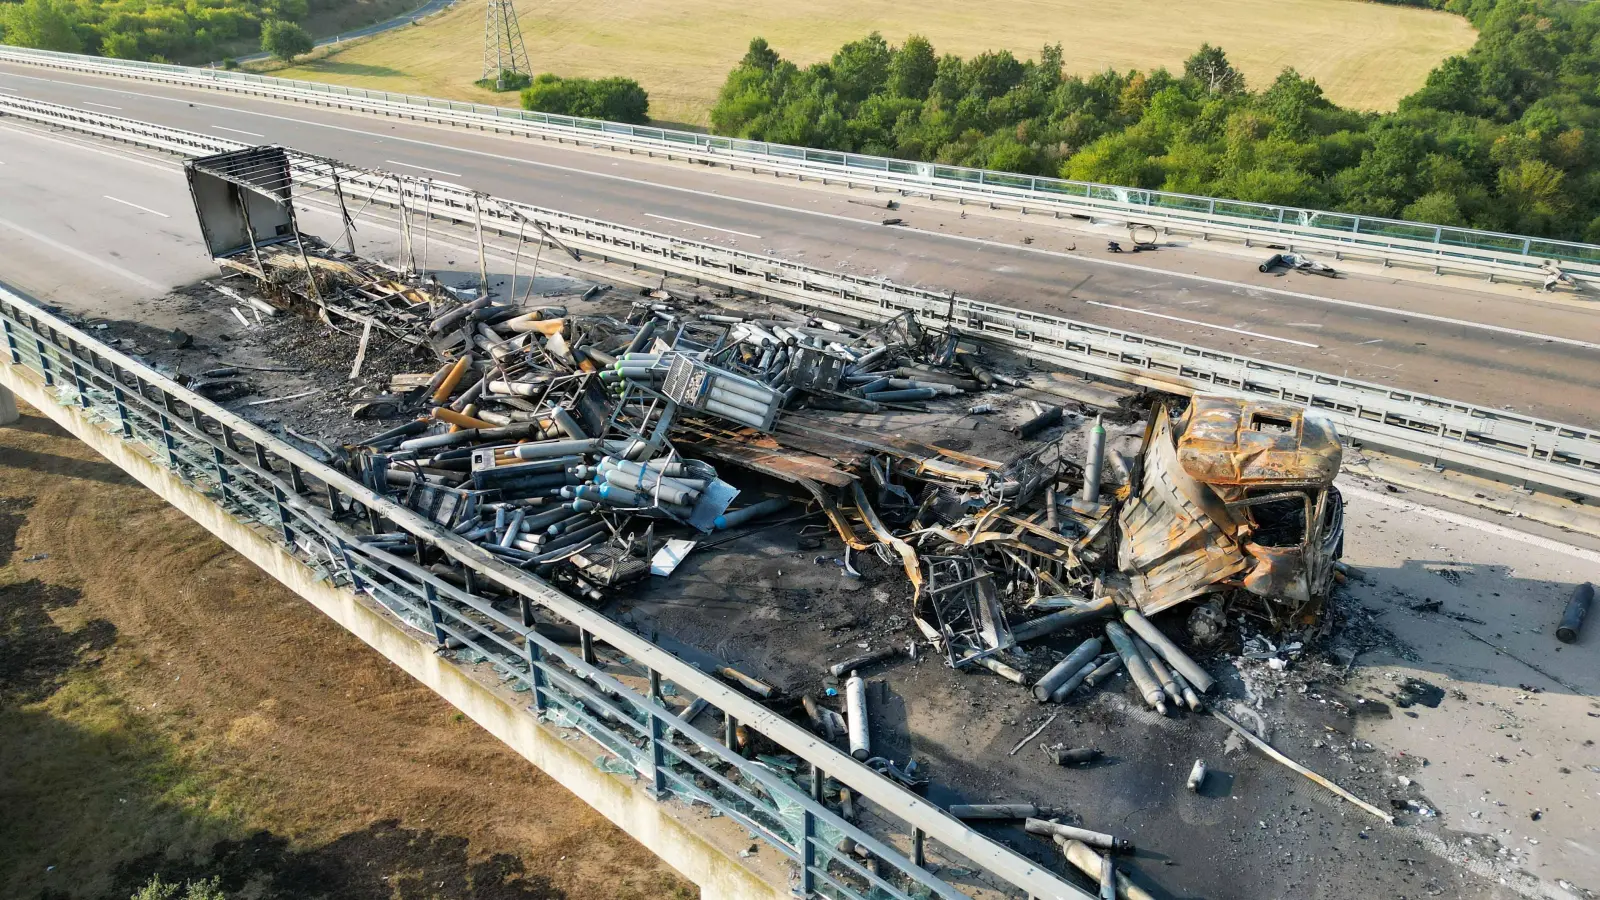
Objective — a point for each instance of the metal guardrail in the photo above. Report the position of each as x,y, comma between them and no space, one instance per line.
1469,250
1517,448
320,516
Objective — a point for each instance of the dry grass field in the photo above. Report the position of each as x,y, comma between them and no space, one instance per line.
1365,55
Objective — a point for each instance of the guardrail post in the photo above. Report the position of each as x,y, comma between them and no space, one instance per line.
918,840
431,596
217,459
535,672
167,442
730,732
278,500
121,399
79,384
808,855
658,755
44,361
586,645
11,342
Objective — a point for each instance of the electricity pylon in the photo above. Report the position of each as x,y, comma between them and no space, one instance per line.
503,51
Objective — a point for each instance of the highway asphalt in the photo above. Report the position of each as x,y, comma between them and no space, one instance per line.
1520,353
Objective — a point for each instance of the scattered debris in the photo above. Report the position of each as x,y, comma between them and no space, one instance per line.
1092,838
1197,776
1072,756
1298,262
1266,748
1577,608
966,811
855,693
1033,734
1415,691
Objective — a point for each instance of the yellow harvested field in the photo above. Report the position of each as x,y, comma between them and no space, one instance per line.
1365,55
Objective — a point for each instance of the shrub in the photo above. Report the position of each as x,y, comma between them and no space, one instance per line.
508,81
614,99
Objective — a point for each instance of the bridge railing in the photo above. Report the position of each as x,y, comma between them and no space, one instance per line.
1441,247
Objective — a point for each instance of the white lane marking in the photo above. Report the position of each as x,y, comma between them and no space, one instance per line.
1254,334
169,169
1304,324
1491,528
703,225
237,131
74,252
1220,282
135,206
396,162
1373,341
101,105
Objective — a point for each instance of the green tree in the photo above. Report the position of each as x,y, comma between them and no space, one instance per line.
1436,208
1533,194
1500,137
285,40
1292,101
912,69
760,56
1210,70
43,24
1455,86
120,45
861,68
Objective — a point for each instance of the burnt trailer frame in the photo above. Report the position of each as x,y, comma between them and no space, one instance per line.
244,200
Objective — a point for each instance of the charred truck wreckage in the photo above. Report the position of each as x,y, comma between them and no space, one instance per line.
599,441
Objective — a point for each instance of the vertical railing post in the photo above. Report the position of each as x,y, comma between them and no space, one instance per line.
44,360
278,500
11,342
431,596
658,754
535,672
808,854
168,443
79,384
222,473
121,399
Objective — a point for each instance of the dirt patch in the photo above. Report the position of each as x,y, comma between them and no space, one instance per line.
379,862
182,712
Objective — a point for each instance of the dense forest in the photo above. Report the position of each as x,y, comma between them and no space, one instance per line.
157,30
1503,137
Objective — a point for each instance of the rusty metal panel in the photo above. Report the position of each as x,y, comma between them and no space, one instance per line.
1227,441
1171,546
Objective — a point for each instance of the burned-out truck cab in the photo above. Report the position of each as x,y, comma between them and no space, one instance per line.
1235,495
